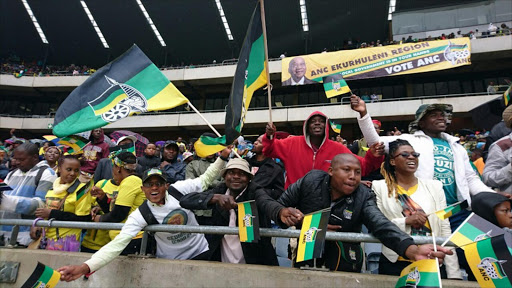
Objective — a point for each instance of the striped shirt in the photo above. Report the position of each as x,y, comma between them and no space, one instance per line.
27,196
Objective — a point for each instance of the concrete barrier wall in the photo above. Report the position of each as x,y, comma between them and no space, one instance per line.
137,272
282,115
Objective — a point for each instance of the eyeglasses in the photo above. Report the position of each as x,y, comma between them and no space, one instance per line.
151,184
407,154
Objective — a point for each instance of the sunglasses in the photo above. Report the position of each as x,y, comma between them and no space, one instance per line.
151,184
407,154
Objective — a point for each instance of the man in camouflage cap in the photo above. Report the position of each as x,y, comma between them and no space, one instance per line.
442,158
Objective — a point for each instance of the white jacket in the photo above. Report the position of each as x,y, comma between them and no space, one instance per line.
430,196
498,171
468,183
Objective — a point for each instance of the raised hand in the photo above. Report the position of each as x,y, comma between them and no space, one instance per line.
358,105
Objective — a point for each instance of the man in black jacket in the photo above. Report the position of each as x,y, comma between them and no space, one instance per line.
267,173
352,205
223,200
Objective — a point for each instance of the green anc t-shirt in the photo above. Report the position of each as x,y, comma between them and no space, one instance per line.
443,169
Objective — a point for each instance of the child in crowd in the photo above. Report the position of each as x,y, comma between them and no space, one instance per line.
150,159
494,208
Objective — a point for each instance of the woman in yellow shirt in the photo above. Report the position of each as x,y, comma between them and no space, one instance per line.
129,197
68,200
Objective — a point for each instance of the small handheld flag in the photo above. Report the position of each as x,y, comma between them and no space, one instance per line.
248,222
422,273
335,85
75,142
43,276
452,210
335,127
473,229
506,96
312,235
490,261
250,75
129,85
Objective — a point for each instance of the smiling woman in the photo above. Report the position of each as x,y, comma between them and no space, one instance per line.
408,201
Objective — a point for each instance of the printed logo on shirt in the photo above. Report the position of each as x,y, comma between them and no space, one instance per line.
53,202
90,155
347,214
176,217
443,167
112,199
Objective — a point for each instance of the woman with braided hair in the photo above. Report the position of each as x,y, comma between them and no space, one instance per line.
409,203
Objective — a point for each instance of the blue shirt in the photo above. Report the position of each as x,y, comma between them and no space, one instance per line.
443,169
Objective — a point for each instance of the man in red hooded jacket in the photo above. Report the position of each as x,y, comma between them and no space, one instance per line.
314,150
94,151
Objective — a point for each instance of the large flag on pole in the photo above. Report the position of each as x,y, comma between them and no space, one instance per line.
474,229
490,261
248,222
250,75
422,273
129,85
312,235
43,276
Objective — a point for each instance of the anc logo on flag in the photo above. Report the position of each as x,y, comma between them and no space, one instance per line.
454,53
310,235
118,101
247,220
493,268
483,236
413,278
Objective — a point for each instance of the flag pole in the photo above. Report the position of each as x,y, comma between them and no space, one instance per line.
435,250
269,85
209,125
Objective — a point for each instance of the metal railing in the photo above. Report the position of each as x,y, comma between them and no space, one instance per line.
266,232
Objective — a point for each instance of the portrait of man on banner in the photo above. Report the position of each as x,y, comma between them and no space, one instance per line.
297,69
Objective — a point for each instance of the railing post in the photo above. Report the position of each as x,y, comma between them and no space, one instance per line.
14,235
144,243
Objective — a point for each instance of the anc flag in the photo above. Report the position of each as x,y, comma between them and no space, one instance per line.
250,75
422,273
248,222
129,85
474,229
452,210
43,276
75,142
506,96
312,235
490,261
335,85
335,127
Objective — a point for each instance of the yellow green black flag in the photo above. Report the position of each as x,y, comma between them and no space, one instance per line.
335,85
490,261
129,85
248,222
312,235
250,75
43,276
474,229
420,274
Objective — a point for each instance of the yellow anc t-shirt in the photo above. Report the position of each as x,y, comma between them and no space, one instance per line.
129,194
78,202
94,238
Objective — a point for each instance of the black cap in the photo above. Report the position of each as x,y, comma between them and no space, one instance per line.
153,172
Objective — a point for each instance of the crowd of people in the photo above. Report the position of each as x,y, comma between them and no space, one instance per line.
390,184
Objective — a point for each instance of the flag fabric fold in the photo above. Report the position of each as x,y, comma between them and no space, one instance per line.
490,261
335,85
312,235
420,274
129,85
74,142
452,210
474,229
250,75
248,222
506,96
43,276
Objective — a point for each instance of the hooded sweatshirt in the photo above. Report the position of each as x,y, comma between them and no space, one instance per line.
299,156
94,152
483,205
